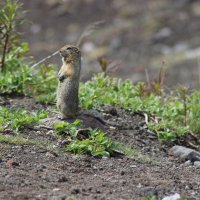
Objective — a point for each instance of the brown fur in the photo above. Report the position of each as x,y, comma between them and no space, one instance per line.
68,70
69,75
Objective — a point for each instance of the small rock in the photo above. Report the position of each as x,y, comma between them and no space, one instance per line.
180,151
122,173
188,163
175,196
110,110
41,167
98,191
193,156
12,163
56,189
9,156
197,164
63,179
133,166
41,151
49,132
51,154
162,34
75,191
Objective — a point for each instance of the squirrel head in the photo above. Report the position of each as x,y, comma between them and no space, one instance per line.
70,53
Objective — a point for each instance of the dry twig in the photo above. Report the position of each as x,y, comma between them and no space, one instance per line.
88,31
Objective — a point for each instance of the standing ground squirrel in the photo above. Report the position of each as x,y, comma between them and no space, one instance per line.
68,86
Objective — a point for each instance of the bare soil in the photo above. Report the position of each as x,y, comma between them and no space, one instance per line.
43,174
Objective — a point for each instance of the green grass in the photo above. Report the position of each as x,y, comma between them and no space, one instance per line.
130,152
17,140
123,149
22,140
150,198
17,119
85,141
24,80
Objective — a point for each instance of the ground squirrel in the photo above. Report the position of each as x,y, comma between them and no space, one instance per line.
68,86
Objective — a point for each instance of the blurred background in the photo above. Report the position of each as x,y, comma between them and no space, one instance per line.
138,38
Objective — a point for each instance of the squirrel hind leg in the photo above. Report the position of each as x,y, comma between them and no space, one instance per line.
63,116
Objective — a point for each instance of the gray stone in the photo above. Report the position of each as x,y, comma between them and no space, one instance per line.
175,196
90,119
185,153
193,156
180,151
188,163
197,164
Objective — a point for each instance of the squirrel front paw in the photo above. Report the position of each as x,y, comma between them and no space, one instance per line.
61,77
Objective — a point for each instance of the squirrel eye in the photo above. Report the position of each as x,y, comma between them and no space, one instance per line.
69,48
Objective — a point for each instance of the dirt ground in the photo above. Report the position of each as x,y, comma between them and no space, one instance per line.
42,174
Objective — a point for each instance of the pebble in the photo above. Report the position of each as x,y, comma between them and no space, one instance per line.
193,156
63,179
56,189
122,173
133,166
12,163
197,164
75,191
175,196
188,163
52,155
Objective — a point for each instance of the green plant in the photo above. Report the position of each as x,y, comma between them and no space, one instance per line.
67,128
25,81
15,81
194,112
92,142
16,76
17,119
177,114
44,85
150,198
14,73
9,37
183,93
123,149
97,144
